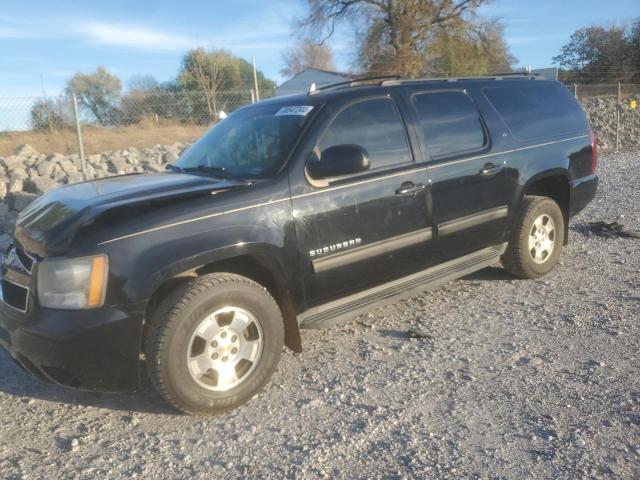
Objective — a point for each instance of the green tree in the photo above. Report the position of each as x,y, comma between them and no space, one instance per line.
98,93
475,49
600,54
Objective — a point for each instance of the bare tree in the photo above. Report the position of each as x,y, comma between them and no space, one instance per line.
395,34
306,54
206,72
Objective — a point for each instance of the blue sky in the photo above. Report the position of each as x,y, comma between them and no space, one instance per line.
43,43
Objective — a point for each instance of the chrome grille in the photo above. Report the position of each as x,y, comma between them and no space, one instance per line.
14,294
25,259
19,260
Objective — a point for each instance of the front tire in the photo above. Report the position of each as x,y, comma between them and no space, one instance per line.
214,343
536,239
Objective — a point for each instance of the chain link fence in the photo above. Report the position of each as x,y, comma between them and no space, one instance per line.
49,123
143,119
614,112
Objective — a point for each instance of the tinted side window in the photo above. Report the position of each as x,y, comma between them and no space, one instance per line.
450,122
375,125
537,111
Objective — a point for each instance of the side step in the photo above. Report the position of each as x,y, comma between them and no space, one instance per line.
348,307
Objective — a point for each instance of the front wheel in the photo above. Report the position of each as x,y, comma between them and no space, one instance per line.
536,239
214,343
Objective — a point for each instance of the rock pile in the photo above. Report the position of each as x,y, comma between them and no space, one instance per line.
602,115
28,173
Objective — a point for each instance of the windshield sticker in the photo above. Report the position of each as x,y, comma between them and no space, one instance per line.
302,110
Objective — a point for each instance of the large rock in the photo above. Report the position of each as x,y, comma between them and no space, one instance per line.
118,163
5,242
68,167
44,184
75,177
25,150
95,159
22,201
16,185
18,172
45,169
13,161
58,174
171,156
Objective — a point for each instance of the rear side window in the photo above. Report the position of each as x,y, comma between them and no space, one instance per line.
534,112
450,122
375,125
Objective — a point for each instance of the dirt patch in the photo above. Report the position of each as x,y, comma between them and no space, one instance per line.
100,139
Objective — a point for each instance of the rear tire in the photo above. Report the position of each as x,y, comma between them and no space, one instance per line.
213,343
536,239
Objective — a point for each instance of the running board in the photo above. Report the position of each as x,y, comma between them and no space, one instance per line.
353,305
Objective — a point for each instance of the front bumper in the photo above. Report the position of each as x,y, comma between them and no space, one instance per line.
95,350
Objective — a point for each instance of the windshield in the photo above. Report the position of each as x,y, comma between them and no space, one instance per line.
252,142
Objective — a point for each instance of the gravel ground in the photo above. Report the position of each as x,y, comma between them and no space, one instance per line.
488,377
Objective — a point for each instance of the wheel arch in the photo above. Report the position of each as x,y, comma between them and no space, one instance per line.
554,184
256,262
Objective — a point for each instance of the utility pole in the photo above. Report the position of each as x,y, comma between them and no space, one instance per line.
255,79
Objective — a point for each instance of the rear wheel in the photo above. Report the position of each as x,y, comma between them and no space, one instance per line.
536,239
214,343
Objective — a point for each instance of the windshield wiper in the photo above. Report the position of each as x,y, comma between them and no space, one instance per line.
212,170
173,168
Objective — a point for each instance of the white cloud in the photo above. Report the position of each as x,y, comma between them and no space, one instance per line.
133,36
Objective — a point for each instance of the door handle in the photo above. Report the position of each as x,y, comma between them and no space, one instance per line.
409,188
490,169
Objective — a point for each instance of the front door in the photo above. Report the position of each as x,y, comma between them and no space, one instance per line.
362,230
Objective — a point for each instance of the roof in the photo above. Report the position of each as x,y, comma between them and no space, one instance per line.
372,84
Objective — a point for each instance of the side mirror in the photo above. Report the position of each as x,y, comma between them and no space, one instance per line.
339,160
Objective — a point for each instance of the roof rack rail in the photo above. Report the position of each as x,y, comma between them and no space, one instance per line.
397,80
497,76
353,82
506,74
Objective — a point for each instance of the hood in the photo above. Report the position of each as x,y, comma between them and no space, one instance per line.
49,223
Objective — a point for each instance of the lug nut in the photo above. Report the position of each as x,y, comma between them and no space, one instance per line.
214,344
223,334
214,356
224,359
234,338
234,350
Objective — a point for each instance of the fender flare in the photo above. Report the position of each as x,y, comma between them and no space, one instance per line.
267,256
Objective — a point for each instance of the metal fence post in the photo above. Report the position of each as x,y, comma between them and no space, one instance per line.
575,90
618,121
79,134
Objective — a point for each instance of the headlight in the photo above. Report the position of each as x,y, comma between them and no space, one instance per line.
73,284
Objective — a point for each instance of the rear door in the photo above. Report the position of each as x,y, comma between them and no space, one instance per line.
361,230
469,189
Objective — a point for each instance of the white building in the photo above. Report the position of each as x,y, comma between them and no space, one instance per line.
301,82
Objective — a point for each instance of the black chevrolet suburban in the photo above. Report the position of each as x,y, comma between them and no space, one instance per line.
295,212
